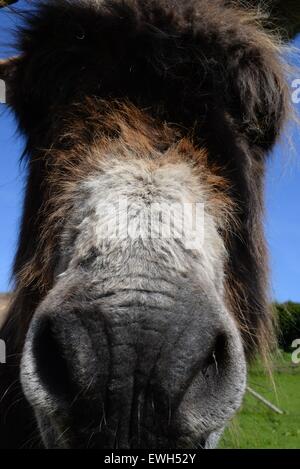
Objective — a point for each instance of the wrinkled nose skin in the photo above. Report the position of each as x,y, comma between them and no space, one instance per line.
109,372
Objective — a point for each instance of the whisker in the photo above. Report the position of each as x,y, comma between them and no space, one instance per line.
8,389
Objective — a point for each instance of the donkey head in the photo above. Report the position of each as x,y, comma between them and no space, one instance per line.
140,272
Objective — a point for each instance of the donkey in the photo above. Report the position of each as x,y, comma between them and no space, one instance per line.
118,339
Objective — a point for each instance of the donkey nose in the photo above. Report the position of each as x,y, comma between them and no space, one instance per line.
140,373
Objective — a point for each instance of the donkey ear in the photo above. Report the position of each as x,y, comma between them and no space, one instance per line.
8,70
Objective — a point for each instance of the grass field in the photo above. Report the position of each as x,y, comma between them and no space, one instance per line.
256,426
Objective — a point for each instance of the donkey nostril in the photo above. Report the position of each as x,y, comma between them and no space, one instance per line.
217,356
220,353
51,366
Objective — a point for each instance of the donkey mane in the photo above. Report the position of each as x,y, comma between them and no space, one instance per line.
197,74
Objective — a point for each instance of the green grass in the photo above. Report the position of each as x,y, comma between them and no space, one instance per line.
256,426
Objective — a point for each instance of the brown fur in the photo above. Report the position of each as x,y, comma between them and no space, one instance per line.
124,131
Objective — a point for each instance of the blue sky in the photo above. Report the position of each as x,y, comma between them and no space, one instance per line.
282,195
